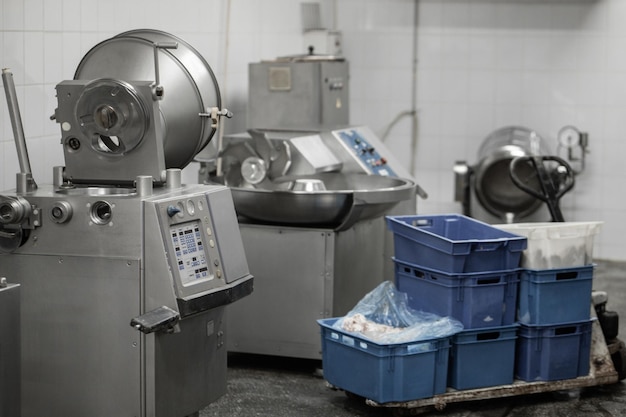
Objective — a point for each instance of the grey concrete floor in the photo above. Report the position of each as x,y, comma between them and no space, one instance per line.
273,386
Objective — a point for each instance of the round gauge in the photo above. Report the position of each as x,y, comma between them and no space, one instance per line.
569,137
191,207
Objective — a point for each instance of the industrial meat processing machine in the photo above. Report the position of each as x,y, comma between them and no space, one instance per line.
499,187
311,192
124,272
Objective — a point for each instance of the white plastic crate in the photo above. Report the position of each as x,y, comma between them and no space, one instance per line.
556,245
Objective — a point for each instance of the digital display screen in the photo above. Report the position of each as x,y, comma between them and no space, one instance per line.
191,257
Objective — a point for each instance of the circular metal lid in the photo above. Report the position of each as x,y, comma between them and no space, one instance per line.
115,117
190,87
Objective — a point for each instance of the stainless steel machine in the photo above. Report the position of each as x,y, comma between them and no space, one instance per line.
311,204
299,92
486,190
313,231
124,271
517,173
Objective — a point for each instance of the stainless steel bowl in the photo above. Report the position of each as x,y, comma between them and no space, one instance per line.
347,199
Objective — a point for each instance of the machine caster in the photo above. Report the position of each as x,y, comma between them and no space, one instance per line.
617,349
609,322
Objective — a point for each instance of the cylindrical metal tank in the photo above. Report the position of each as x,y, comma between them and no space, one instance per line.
490,180
190,87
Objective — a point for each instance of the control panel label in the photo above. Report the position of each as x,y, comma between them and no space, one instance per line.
367,156
191,257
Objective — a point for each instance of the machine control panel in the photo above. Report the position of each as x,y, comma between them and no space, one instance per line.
191,245
191,258
366,155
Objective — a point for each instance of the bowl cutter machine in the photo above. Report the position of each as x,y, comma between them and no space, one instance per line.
311,208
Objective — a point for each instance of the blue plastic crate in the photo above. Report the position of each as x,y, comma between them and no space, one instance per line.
383,373
454,243
477,300
553,352
554,296
482,357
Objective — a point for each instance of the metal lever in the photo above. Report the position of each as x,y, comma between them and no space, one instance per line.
158,89
27,182
160,319
551,189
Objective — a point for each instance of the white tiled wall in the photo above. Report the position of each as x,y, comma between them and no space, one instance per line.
482,64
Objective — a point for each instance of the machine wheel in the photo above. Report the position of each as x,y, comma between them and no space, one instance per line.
609,321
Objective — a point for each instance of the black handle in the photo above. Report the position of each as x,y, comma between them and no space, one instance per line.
551,189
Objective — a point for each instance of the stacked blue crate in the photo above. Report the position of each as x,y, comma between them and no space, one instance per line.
554,312
452,265
383,373
554,306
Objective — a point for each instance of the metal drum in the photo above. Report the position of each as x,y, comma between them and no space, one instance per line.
190,87
493,186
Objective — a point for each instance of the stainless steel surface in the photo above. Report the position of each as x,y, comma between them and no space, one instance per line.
189,85
307,93
258,157
301,275
82,282
116,150
344,200
292,289
10,330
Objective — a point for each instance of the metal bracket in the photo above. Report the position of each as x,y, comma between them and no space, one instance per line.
215,114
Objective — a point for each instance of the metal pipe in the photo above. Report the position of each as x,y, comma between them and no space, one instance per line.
18,129
412,113
220,133
414,121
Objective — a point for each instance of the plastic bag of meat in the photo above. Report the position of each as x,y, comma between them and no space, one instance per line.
384,316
